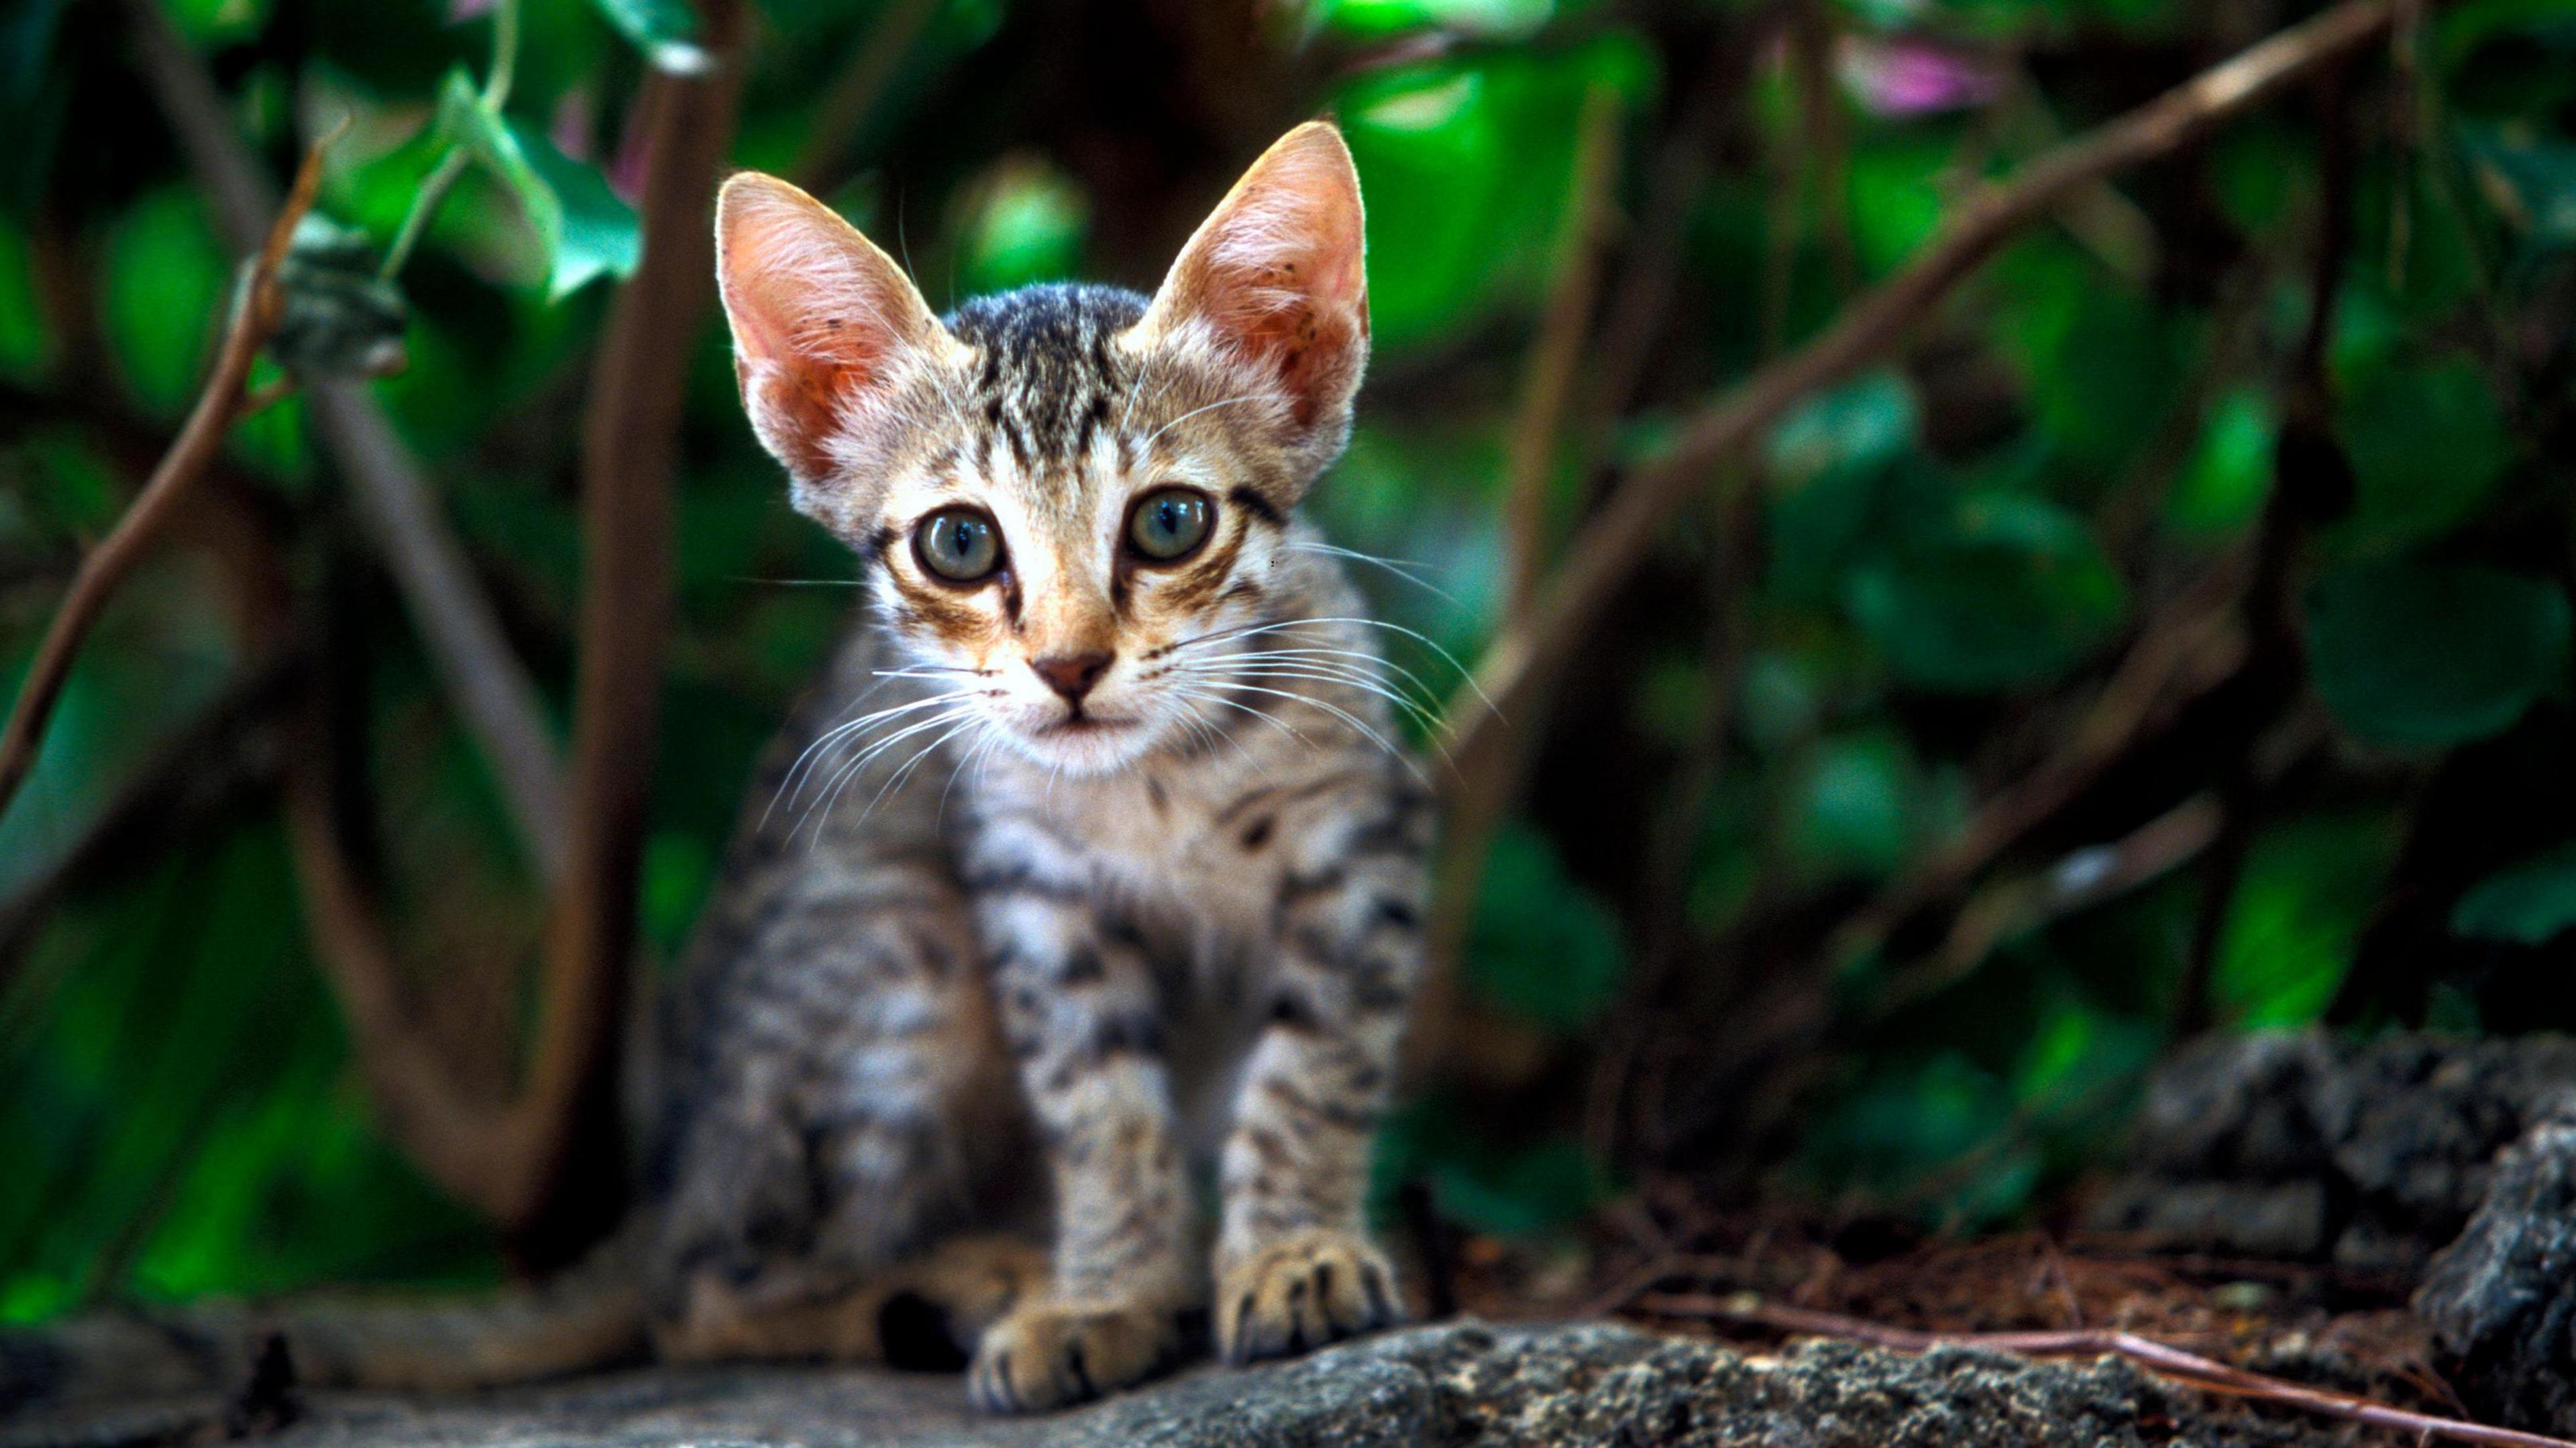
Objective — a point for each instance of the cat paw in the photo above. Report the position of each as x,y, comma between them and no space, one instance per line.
1051,1354
1305,1290
975,1279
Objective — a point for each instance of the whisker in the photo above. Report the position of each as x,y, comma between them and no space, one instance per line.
1157,433
1400,567
1339,712
860,724
841,777
895,781
1328,673
982,743
1254,629
1265,716
1410,677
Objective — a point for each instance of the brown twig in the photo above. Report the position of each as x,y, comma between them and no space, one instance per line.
198,442
1524,662
1480,792
630,444
542,1164
2184,653
2080,881
477,670
2168,1362
844,108
1640,306
1556,355
2308,477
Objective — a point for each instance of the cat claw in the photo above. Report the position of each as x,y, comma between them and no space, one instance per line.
1303,1292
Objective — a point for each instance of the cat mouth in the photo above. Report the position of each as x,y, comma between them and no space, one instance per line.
1078,725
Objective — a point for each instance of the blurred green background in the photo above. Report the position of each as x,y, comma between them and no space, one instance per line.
1704,946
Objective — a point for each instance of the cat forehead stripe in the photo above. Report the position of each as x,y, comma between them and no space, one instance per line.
1047,371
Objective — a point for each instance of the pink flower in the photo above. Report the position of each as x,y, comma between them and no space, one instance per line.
1910,77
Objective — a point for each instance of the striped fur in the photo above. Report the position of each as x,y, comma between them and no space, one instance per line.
994,955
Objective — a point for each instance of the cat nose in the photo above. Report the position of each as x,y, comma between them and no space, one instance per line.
1072,675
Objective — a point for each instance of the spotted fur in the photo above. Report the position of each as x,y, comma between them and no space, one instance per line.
993,952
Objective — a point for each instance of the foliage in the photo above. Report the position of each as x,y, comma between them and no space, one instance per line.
1945,559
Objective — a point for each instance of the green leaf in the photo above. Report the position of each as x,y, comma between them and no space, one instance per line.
24,341
166,279
1025,225
2307,888
1465,164
1867,422
2528,904
665,30
1542,947
2012,591
2427,445
586,231
1852,811
599,234
2230,472
2426,656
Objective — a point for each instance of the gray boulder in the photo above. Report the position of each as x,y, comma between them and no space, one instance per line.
1454,1386
2502,1299
2371,1154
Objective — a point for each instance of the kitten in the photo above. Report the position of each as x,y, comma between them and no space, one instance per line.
1093,856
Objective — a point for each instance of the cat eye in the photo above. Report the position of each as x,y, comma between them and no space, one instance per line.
1168,524
961,545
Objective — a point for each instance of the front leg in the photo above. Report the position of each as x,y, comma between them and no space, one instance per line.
1080,1012
1295,1266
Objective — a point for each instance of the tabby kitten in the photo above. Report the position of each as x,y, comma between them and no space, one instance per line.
1095,837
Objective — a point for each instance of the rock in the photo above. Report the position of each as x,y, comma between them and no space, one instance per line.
2371,1154
2502,1299
1458,1385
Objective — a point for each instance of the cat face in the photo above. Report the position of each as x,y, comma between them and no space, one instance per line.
1060,493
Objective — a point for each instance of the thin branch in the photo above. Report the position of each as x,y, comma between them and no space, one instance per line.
2081,880
190,453
1538,424
2168,1362
1556,354
2188,650
2310,483
541,1164
845,108
1524,662
478,671
1641,305
630,446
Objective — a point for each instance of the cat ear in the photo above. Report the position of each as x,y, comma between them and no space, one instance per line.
1275,275
823,322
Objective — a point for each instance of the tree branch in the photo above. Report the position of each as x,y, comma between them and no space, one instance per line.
1556,354
1525,660
543,1164
2192,647
844,109
1483,788
190,453
2167,1362
630,443
481,675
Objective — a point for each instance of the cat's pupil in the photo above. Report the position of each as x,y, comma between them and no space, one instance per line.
1169,524
958,545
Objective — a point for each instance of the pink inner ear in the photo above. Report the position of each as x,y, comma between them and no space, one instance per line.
1299,315
816,312
1278,271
